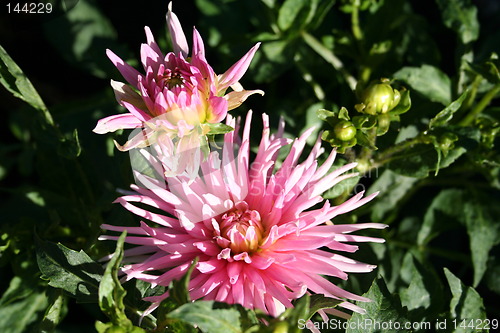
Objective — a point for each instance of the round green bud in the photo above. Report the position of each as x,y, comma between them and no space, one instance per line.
379,98
344,130
447,141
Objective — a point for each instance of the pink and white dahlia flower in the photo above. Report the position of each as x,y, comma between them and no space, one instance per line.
251,225
178,96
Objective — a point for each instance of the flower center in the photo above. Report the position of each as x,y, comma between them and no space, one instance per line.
172,78
240,229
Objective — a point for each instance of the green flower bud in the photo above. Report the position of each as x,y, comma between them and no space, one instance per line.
447,141
379,98
344,130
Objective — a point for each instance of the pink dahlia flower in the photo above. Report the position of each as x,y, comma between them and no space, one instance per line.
178,96
251,226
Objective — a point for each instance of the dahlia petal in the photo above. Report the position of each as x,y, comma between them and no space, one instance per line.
338,313
319,267
163,262
243,256
248,295
116,122
300,243
151,41
261,263
327,164
359,239
198,46
150,58
129,73
336,291
157,218
209,266
277,291
236,98
218,109
238,292
236,71
332,179
234,270
223,293
211,284
138,113
124,93
174,273
176,33
135,240
207,247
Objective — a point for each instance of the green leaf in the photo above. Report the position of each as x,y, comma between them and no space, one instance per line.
269,3
328,116
293,13
419,159
466,303
277,55
363,140
383,308
111,292
480,213
179,289
18,289
393,188
476,211
445,115
441,215
428,80
304,308
299,313
425,289
344,114
73,271
15,81
178,295
208,319
54,313
70,147
364,121
16,317
404,104
219,128
83,35
319,302
461,16
488,69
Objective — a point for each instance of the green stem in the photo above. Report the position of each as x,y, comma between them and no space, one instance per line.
365,156
365,71
330,58
388,154
483,103
472,93
356,30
